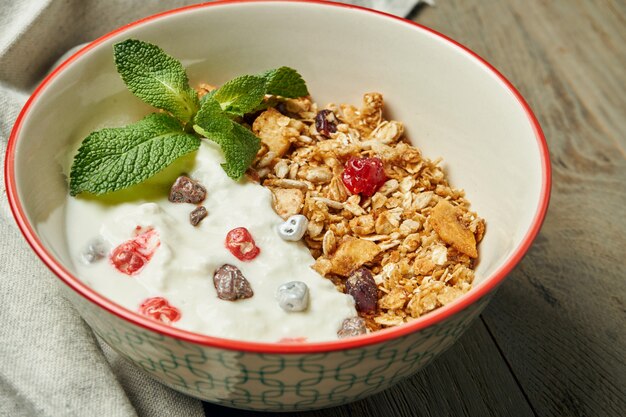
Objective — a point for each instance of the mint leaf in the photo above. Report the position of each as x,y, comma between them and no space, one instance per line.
115,158
285,82
156,78
211,118
241,95
240,147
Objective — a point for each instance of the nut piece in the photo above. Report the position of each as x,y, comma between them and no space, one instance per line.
362,287
293,228
351,254
293,296
445,219
354,326
197,215
287,201
230,283
269,127
186,190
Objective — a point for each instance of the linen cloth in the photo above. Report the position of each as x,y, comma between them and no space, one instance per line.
51,364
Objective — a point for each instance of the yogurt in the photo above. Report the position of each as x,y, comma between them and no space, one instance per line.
182,267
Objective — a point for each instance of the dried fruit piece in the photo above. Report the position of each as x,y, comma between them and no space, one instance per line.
158,308
293,228
351,254
240,243
287,201
197,215
131,256
95,250
230,283
354,326
326,122
446,220
186,190
293,296
362,287
364,175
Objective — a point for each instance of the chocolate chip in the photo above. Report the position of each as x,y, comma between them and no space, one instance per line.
354,326
325,122
230,283
197,215
186,190
362,287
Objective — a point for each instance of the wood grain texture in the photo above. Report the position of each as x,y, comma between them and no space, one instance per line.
560,319
553,340
470,379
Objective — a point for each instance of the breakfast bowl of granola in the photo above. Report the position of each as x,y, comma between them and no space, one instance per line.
275,225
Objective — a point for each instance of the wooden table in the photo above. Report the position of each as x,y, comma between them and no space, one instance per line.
553,340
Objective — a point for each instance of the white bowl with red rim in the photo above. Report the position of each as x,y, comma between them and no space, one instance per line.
453,103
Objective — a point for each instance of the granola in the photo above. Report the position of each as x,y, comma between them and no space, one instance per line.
415,234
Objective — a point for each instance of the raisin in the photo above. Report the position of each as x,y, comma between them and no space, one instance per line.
362,287
197,215
326,122
364,175
186,190
230,283
354,326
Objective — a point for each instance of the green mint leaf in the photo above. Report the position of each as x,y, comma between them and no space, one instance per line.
241,95
156,78
240,147
285,82
211,118
115,158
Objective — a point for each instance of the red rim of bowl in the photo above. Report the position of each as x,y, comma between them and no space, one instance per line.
429,319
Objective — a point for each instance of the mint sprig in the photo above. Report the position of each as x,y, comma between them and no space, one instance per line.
156,78
116,158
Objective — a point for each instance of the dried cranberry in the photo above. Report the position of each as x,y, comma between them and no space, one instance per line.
158,308
197,215
241,244
230,283
186,190
326,122
131,256
364,175
362,287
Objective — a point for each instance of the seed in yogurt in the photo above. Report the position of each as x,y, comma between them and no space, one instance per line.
241,244
197,215
186,190
96,250
362,287
230,283
353,326
293,296
158,308
293,228
131,256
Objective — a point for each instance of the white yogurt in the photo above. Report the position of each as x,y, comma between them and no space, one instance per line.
182,267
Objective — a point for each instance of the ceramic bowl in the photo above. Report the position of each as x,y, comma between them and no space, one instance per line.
453,103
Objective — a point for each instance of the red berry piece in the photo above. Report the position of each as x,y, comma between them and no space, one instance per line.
241,244
131,256
364,175
159,309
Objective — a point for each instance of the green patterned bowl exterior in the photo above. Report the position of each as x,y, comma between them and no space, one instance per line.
275,381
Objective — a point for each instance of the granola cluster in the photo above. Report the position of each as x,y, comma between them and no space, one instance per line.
416,234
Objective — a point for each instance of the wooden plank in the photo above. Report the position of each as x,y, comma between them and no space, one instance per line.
560,318
470,379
